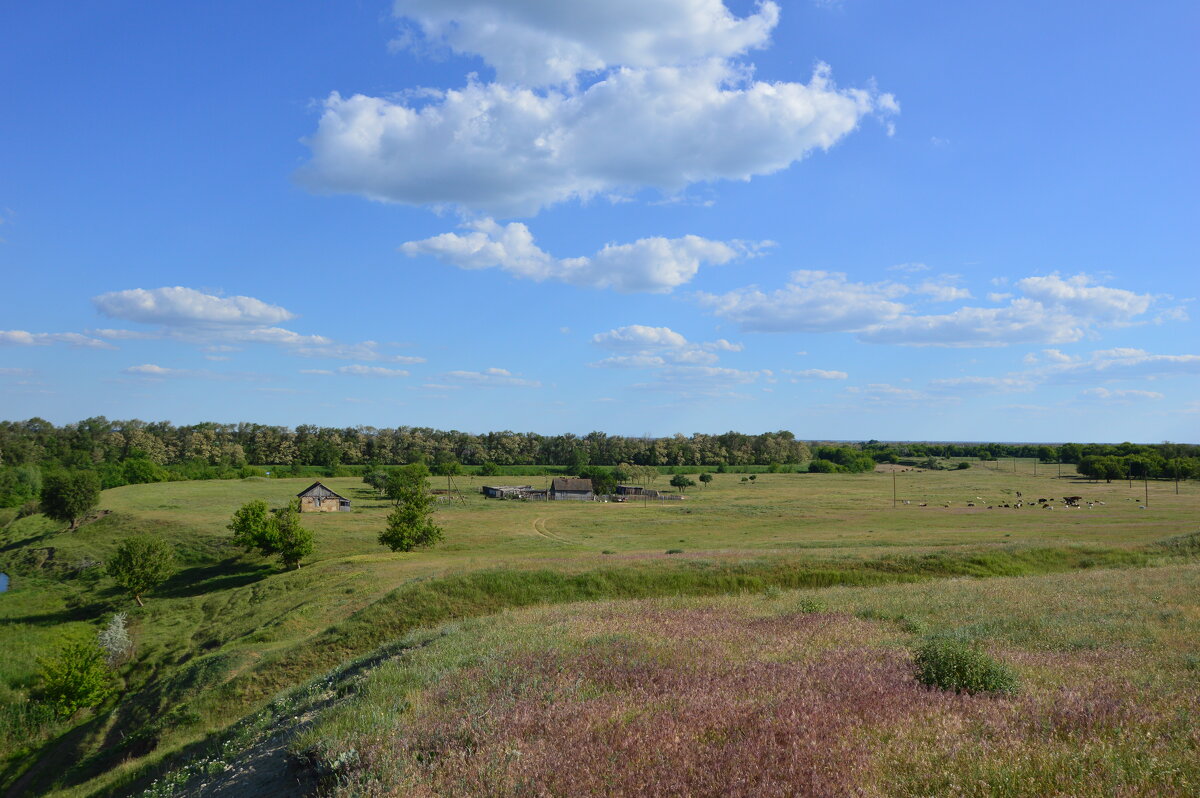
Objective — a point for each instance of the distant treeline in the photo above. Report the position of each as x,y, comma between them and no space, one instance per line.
124,452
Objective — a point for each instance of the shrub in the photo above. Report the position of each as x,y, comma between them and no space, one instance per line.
674,551
963,465
811,605
75,679
115,640
954,664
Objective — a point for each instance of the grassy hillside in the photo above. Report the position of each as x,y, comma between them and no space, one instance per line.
229,630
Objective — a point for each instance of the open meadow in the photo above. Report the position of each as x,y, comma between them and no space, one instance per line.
230,631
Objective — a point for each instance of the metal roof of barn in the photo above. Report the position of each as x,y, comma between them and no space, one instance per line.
319,491
567,484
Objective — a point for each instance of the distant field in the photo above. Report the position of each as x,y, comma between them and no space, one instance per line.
246,629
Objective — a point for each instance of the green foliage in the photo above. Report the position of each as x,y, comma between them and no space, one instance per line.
273,533
140,470
847,458
682,482
705,478
376,478
603,478
250,525
410,525
19,485
489,469
823,467
807,605
76,678
140,564
674,551
405,481
70,495
951,663
290,541
963,466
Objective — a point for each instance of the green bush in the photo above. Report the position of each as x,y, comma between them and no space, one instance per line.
811,605
963,465
76,678
954,664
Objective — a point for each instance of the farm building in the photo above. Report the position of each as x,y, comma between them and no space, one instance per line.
505,491
317,498
630,490
567,489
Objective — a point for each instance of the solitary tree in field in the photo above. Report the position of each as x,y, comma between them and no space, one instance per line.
291,541
682,481
410,525
273,533
706,478
249,525
141,564
376,478
402,481
69,496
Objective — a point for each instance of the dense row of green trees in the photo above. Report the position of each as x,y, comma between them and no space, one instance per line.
98,440
129,452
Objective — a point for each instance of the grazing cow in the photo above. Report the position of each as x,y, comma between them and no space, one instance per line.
1041,501
970,504
1018,494
1141,507
1072,501
1047,506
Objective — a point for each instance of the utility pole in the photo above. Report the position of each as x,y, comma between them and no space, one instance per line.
893,487
1146,485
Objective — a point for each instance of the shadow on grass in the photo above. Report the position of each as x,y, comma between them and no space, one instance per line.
33,541
224,575
84,612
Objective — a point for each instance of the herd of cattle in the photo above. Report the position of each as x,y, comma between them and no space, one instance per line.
1045,504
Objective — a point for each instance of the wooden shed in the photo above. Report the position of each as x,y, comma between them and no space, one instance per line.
569,489
317,498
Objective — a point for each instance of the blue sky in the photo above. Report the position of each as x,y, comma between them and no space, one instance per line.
848,219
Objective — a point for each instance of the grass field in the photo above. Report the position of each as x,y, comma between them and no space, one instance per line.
230,631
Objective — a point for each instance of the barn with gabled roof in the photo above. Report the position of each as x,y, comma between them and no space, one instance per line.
567,489
317,498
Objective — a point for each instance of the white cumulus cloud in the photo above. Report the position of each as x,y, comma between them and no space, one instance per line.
812,301
539,42
643,346
817,374
1107,394
25,338
510,151
492,378
371,371
179,306
651,265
